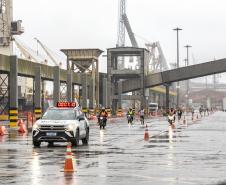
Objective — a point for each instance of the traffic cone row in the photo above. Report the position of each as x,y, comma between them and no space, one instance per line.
22,128
2,130
146,134
68,166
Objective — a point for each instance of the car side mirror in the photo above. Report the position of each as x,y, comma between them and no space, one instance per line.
81,118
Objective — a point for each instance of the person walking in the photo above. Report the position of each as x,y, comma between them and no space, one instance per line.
142,113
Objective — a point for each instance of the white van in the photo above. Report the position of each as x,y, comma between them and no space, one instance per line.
153,107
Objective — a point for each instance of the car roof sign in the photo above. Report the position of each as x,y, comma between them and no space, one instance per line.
66,104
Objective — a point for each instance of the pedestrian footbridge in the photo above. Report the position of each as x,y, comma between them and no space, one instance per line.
174,75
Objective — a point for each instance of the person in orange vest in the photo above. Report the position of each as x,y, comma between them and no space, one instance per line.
103,113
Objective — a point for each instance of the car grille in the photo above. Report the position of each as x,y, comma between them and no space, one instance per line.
52,127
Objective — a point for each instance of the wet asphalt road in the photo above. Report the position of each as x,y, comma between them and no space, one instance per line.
196,154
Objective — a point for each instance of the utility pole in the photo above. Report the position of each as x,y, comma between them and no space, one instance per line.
178,84
187,88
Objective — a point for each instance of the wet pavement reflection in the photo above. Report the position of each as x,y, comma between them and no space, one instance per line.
193,153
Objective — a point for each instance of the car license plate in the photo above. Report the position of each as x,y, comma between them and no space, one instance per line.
51,133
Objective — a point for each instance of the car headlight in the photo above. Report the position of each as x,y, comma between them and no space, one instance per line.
70,127
35,126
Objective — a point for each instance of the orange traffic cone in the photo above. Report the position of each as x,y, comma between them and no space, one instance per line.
68,166
21,125
146,134
2,130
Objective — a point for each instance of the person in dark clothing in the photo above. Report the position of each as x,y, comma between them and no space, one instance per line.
179,113
130,114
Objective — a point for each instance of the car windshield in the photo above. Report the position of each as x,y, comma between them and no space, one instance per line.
59,114
153,105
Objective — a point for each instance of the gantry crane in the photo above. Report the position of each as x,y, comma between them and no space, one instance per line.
157,58
25,52
121,25
8,27
48,53
129,31
159,62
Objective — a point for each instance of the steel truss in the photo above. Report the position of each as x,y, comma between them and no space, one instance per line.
63,92
4,93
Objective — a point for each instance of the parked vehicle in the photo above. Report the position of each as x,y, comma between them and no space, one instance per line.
153,108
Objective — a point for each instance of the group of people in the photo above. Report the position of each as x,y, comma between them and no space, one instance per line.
130,115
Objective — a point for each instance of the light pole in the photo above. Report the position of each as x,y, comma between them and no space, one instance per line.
187,60
178,84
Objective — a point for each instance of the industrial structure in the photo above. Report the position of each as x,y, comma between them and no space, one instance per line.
142,72
152,61
11,67
85,61
116,75
8,27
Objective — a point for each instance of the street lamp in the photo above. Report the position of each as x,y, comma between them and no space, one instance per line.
178,84
187,60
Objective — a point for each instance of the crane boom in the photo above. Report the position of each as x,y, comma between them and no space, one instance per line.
129,31
121,25
47,52
24,51
162,58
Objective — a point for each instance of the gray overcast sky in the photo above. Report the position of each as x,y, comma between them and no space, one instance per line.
93,24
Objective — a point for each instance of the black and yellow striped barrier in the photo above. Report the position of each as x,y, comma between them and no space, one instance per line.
13,117
119,112
4,117
85,110
91,111
108,110
38,113
97,110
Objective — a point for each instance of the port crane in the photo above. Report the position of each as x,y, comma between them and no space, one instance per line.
47,51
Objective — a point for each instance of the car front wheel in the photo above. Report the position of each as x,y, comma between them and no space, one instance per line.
86,139
75,142
36,143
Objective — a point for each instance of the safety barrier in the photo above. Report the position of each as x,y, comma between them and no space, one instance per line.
4,117
91,115
13,117
38,113
85,110
109,112
119,112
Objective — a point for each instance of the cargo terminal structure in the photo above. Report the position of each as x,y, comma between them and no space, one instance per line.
116,74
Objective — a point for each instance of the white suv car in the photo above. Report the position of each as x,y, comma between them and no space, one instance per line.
66,124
